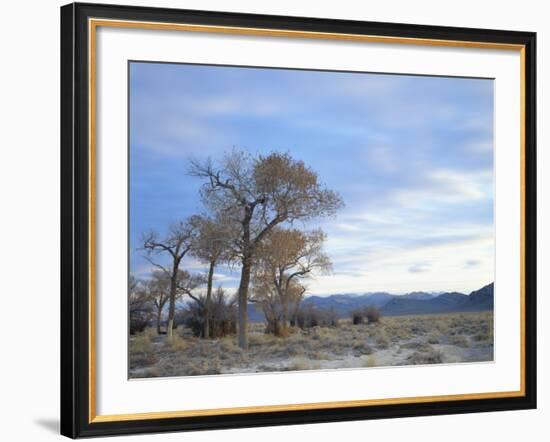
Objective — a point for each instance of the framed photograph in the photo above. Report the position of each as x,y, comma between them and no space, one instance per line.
273,220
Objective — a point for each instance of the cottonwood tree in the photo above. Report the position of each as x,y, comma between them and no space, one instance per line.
158,288
211,246
257,194
284,260
266,296
222,314
187,283
139,305
176,244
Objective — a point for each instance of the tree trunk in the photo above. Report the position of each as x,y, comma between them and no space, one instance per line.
206,331
285,314
243,303
159,317
172,305
283,300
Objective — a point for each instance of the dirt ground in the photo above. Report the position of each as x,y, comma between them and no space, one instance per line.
398,340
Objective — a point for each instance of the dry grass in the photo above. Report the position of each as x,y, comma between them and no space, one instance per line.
430,356
297,364
176,343
459,340
405,340
369,361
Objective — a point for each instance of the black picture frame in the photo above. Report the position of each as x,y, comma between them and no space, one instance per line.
75,221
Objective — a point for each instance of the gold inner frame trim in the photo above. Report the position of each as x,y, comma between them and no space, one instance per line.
93,24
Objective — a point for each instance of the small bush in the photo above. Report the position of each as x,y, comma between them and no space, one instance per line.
152,372
416,345
357,316
310,316
223,316
362,348
484,336
373,315
369,314
382,339
141,351
150,332
298,364
228,345
426,357
459,340
140,310
369,361
176,343
319,355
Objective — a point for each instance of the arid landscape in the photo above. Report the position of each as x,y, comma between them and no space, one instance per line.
274,228
397,340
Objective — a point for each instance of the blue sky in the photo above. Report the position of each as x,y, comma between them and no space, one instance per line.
412,157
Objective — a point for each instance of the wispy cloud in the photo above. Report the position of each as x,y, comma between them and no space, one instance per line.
419,268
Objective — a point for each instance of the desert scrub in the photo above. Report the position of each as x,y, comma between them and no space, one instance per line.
357,317
228,345
369,361
416,345
426,357
140,344
150,332
201,368
434,338
141,351
382,339
484,336
459,341
298,364
295,348
175,343
318,333
199,348
319,355
362,348
373,315
261,339
152,372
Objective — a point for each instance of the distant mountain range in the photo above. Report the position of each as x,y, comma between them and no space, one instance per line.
414,303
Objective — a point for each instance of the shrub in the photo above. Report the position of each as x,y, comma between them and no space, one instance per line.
426,357
223,315
362,348
372,314
319,355
329,318
369,361
303,364
227,345
310,316
459,340
382,342
140,309
175,343
485,335
141,344
417,345
357,316
381,337
141,351
150,332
